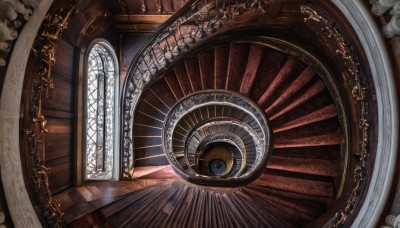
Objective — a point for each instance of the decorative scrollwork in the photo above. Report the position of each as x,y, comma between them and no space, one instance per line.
143,7
44,49
350,60
364,126
358,92
344,49
261,5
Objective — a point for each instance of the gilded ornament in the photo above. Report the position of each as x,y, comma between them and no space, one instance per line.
44,49
344,50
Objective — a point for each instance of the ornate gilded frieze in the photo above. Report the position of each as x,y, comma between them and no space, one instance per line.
350,60
44,49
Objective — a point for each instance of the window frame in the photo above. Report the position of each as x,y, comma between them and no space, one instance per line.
115,137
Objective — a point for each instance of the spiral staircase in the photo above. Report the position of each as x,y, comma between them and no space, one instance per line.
230,117
230,131
293,187
298,182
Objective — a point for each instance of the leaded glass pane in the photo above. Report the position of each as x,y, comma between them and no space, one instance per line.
100,113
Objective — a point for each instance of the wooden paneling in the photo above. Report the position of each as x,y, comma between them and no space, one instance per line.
129,46
90,20
59,138
167,6
61,98
64,60
59,110
60,177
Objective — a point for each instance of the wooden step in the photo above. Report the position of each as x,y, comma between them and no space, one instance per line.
299,211
288,194
221,62
206,65
294,182
253,63
238,54
323,153
313,141
121,217
315,89
284,77
331,125
125,202
272,62
184,81
173,85
304,165
193,73
302,80
325,113
152,211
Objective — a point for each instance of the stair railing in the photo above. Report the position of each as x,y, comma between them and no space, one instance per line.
196,21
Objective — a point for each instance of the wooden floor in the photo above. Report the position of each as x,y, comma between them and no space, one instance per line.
176,203
80,204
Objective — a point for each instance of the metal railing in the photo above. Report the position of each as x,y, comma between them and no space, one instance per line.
194,22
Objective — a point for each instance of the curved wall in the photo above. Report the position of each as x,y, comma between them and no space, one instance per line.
359,16
374,46
21,210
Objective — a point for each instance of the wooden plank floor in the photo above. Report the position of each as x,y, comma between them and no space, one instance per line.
83,200
175,203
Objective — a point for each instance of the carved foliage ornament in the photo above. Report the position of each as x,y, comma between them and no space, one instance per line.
44,49
350,60
11,14
380,7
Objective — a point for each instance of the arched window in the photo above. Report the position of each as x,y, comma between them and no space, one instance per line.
101,156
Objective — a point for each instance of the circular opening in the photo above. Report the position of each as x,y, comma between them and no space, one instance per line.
217,166
216,159
206,127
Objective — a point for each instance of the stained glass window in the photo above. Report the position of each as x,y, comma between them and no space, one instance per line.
101,93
